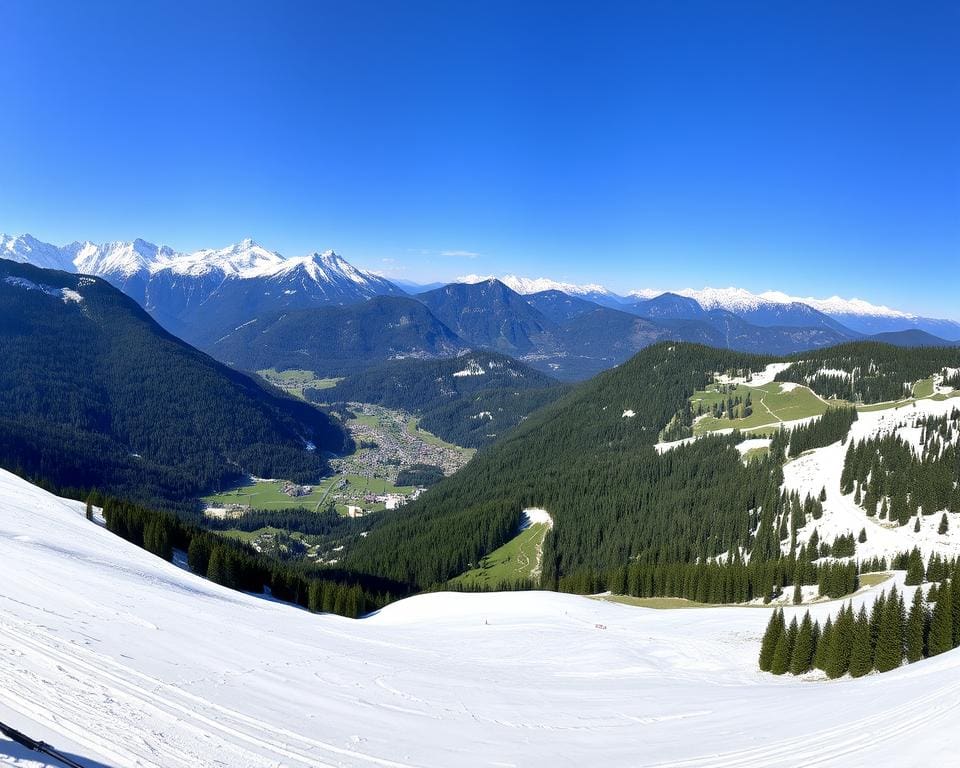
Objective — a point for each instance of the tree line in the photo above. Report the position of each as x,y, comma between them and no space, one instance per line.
892,481
880,639
238,566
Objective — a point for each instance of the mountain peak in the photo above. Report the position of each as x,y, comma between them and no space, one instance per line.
527,285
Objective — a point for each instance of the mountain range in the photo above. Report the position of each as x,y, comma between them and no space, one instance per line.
254,308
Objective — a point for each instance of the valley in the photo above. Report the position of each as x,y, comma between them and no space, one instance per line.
387,442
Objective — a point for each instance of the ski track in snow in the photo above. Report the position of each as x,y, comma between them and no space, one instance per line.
115,656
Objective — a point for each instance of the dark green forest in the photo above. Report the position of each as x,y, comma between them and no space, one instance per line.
874,373
238,566
612,496
881,639
94,394
892,482
469,410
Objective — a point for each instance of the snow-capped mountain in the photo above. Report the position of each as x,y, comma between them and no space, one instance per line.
243,259
26,249
778,308
198,295
527,285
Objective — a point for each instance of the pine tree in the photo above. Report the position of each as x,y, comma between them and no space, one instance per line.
824,644
90,507
797,592
862,538
783,651
915,569
916,628
916,525
944,525
941,622
838,661
861,653
955,604
889,651
775,628
802,658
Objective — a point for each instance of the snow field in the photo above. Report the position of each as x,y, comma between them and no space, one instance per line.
130,660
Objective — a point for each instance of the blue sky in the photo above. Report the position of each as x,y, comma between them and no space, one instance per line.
808,147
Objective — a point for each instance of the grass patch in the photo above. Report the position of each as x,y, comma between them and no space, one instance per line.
923,388
514,561
756,453
294,381
872,579
414,429
267,494
662,603
771,405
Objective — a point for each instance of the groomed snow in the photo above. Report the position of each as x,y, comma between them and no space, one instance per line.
118,657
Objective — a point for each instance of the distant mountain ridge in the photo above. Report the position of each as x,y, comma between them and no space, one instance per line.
767,308
199,296
254,308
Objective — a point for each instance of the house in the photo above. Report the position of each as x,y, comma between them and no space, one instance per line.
353,511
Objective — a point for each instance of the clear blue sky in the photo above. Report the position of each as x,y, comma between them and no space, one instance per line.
812,147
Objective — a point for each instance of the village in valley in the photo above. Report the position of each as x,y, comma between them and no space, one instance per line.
370,479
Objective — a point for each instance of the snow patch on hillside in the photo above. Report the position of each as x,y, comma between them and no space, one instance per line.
536,516
757,378
822,467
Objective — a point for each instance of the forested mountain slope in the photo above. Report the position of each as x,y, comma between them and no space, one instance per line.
868,372
335,341
469,400
93,393
589,459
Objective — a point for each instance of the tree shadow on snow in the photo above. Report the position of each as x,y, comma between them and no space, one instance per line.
17,752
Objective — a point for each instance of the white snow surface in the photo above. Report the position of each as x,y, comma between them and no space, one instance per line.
528,285
741,300
124,260
116,656
758,379
821,468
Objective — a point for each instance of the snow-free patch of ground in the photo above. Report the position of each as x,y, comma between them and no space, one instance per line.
122,659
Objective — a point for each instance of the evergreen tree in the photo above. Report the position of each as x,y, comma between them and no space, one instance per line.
821,655
916,628
940,639
90,507
802,659
889,651
915,569
781,654
944,525
841,645
955,604
861,653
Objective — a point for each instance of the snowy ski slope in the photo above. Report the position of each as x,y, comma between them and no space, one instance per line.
120,659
